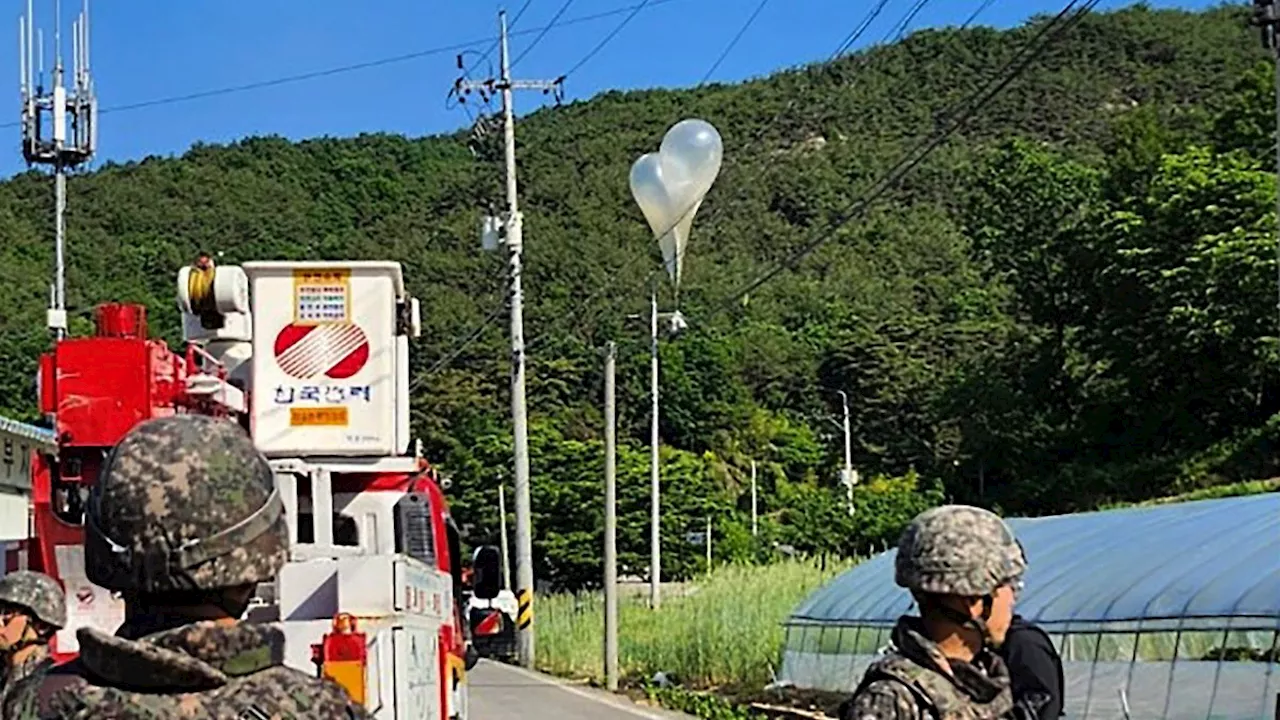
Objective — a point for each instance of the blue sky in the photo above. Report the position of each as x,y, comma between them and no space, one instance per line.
145,50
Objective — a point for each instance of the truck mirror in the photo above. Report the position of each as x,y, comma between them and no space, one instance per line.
486,570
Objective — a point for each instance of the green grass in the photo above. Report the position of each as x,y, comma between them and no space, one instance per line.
723,630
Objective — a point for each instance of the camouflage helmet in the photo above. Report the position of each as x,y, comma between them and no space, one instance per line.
184,503
957,550
40,594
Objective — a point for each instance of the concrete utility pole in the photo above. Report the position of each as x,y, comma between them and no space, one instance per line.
755,525
502,527
708,544
52,109
610,520
1267,18
655,516
520,429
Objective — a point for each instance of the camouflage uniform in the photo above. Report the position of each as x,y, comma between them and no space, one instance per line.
42,598
184,503
951,550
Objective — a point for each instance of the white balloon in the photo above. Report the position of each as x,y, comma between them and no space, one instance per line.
650,192
695,148
670,185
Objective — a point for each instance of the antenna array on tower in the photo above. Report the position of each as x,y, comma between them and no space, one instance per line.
45,112
48,110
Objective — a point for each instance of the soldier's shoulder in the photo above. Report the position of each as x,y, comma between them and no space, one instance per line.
882,699
288,691
28,695
275,692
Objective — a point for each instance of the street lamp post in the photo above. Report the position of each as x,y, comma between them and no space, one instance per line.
669,186
655,490
848,476
678,324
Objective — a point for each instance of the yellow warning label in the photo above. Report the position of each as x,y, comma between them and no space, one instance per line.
318,417
321,296
524,616
350,675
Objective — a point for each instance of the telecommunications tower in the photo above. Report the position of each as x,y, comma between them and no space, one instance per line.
47,111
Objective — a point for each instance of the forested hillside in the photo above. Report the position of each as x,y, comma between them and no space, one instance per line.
1071,302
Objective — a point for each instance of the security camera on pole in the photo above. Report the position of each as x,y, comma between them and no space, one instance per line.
669,186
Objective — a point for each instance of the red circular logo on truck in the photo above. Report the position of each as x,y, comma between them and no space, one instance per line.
334,350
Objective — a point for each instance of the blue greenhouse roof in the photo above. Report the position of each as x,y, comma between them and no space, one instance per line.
1211,564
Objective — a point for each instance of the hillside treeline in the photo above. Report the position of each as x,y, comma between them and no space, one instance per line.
1071,302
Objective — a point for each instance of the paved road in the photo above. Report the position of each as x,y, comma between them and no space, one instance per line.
501,692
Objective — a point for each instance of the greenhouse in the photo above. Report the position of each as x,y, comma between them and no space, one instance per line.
1170,611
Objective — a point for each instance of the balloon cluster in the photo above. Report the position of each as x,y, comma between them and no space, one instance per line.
669,185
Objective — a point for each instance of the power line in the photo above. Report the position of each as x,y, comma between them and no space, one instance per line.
852,38
617,29
735,40
462,345
494,46
542,34
913,158
285,80
632,12
968,108
858,31
981,9
896,33
845,44
902,27
341,69
600,15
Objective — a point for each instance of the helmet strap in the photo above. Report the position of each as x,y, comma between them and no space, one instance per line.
31,635
234,604
988,602
967,621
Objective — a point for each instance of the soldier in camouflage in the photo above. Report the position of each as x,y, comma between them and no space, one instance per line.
963,566
32,608
184,521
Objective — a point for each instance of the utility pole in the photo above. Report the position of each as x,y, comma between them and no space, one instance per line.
755,525
513,223
49,110
610,519
655,516
1266,17
502,526
708,544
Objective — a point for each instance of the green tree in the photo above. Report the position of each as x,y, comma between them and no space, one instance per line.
1189,275
1247,120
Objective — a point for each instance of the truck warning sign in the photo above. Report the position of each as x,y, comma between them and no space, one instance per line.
321,296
